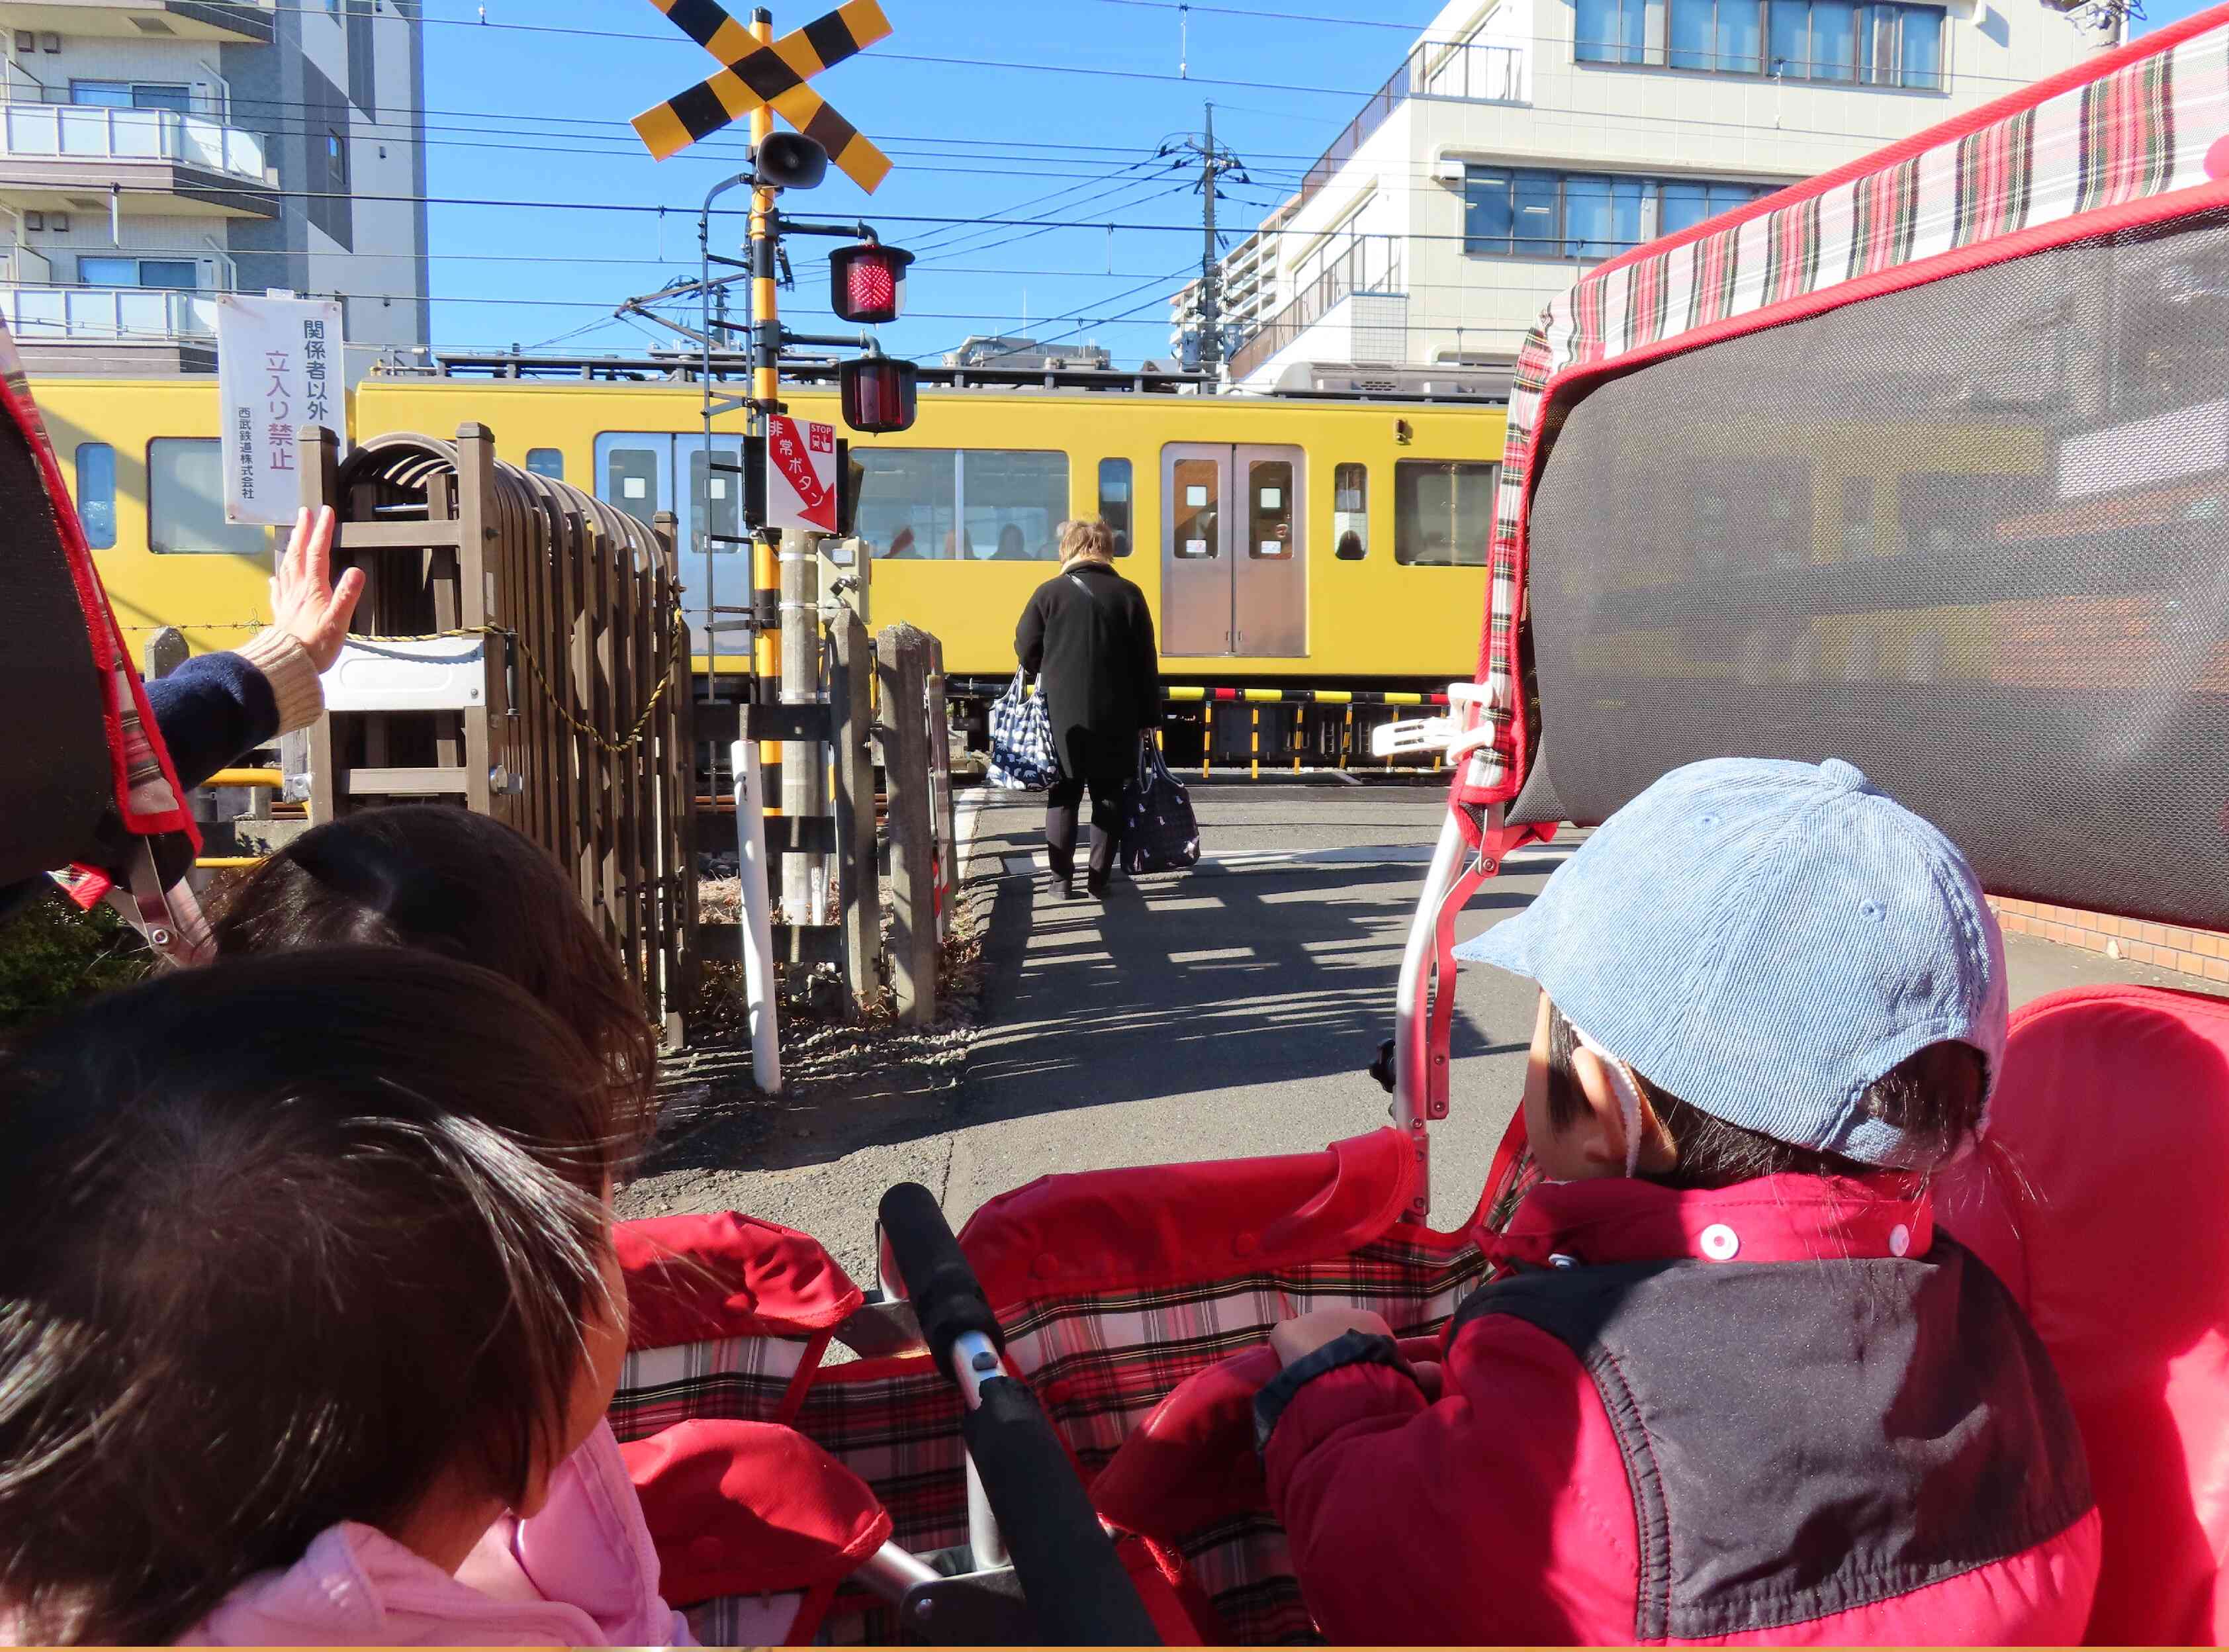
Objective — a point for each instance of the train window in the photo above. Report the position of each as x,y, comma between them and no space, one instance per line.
185,502
957,504
1857,515
631,481
1012,505
547,462
717,498
1443,511
909,501
1350,511
1270,508
1114,501
1198,482
96,493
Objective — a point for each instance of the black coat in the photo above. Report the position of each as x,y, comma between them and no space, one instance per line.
1088,636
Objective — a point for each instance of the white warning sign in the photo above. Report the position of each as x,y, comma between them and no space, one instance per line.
800,474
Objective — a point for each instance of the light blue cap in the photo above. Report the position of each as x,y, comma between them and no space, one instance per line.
1765,940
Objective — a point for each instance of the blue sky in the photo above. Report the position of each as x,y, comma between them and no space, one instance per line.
1051,111
521,110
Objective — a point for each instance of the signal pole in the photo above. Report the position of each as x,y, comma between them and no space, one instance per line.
766,390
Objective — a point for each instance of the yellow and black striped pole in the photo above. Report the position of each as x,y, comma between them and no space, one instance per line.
766,391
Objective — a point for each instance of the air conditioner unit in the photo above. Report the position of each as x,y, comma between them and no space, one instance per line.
1449,170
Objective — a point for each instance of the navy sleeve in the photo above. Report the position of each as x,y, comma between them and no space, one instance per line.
212,711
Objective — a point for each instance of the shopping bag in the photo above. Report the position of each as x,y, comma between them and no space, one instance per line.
1022,757
1159,831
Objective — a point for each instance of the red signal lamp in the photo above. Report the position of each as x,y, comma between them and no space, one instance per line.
878,392
867,282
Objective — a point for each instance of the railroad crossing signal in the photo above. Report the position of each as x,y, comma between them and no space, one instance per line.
757,76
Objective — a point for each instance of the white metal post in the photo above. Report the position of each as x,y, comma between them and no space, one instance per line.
758,922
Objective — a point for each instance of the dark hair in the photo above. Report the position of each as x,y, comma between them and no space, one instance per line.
1936,1093
282,1241
445,880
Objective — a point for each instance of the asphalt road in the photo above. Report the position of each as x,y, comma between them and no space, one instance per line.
1227,1011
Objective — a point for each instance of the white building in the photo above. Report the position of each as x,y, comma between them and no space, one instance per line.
154,153
1520,142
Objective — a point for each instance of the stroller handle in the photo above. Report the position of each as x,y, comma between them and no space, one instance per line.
1063,1558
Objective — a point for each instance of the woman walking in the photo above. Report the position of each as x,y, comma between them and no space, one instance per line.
1088,636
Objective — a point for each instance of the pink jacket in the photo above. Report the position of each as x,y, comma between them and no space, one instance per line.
1785,1411
581,1572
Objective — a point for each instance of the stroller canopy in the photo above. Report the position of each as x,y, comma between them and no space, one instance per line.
1923,464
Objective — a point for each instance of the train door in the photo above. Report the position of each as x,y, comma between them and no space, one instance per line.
1234,564
644,472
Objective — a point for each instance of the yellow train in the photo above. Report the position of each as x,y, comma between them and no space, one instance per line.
1336,544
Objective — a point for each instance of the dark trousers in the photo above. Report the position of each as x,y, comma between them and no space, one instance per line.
1061,823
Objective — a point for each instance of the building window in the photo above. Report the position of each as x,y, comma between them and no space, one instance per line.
337,161
1443,511
1556,214
1114,501
185,502
1350,511
1884,44
133,95
35,221
176,273
547,462
947,504
96,493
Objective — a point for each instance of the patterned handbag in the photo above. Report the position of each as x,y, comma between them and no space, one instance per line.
1022,757
1159,831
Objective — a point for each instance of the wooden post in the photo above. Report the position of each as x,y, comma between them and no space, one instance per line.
166,650
901,660
476,548
940,772
858,871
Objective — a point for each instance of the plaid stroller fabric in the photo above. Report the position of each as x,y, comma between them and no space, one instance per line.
1022,755
2097,148
1113,1286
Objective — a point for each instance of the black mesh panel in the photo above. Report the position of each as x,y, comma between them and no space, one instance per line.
54,749
1973,538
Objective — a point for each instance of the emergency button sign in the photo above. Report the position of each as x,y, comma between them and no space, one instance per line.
800,474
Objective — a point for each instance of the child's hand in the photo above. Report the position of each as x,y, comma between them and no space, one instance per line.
1297,1339
304,602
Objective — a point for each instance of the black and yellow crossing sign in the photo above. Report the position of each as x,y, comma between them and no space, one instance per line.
761,76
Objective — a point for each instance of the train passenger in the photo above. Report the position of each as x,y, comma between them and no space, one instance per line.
312,1315
443,879
1740,1386
1089,633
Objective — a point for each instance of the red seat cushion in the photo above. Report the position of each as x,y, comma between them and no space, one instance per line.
700,1279
2104,1202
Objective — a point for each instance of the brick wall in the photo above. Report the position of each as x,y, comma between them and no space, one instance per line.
2202,953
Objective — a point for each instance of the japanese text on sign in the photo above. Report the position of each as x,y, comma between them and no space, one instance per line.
278,373
800,474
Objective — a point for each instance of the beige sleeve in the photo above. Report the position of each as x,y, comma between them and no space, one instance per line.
294,677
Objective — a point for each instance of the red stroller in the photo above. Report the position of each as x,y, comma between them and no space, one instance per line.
1923,464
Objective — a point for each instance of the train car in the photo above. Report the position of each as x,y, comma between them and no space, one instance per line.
1314,544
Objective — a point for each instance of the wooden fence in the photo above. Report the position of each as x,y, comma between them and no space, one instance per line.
520,649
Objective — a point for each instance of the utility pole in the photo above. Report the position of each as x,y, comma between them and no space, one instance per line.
1211,273
766,390
1214,162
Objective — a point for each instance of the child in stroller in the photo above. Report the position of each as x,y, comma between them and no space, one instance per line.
314,1315
1740,1384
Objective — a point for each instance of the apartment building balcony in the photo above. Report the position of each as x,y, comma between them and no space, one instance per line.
68,157
108,330
237,22
1468,72
1357,309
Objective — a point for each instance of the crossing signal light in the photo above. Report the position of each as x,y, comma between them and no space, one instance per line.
789,160
878,394
867,282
